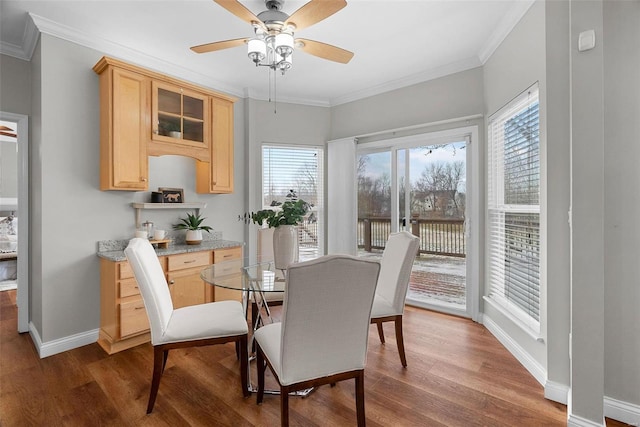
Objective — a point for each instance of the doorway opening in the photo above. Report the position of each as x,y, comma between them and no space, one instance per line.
419,184
14,218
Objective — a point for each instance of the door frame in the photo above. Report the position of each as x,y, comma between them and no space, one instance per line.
22,299
473,214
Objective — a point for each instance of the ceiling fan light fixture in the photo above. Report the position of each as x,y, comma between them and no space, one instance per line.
257,50
284,64
284,44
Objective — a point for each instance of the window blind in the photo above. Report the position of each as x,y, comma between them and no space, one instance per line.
298,169
514,208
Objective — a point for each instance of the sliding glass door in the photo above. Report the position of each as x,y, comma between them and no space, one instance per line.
419,184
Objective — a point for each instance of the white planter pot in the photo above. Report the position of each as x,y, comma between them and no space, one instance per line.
285,246
194,237
175,134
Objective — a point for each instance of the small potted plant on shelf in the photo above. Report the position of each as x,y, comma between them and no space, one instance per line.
284,218
193,224
172,129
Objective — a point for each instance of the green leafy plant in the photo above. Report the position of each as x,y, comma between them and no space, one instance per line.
193,221
291,212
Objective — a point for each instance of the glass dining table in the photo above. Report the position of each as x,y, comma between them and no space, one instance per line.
259,283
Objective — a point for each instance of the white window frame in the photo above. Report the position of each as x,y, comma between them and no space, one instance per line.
319,207
496,206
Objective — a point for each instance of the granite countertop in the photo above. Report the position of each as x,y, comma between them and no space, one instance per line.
113,250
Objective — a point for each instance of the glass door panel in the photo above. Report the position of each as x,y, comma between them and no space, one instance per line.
436,204
420,189
374,201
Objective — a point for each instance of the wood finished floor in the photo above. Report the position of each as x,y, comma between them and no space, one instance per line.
458,375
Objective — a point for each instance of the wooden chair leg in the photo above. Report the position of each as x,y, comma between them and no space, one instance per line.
164,361
362,419
260,366
284,406
400,340
244,365
380,331
159,359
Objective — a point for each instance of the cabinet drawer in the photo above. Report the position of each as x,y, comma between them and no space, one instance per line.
227,268
129,288
125,271
133,318
189,260
220,255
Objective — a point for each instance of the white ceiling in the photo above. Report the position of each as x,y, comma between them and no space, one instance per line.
396,43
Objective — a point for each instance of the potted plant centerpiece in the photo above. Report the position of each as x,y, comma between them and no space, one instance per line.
193,224
284,218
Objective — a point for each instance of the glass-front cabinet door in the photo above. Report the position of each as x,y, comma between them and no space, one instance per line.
180,116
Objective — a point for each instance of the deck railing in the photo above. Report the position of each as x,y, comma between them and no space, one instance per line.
437,236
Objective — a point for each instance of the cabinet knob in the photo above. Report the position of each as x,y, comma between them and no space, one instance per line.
171,282
143,179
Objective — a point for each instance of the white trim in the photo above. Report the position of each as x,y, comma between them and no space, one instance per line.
529,363
413,79
504,28
556,391
576,421
125,53
62,344
29,42
22,294
622,411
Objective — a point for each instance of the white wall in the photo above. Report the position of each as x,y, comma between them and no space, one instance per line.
622,202
445,98
70,212
290,124
518,63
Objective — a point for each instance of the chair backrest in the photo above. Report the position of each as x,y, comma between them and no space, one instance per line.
395,268
152,283
265,244
326,315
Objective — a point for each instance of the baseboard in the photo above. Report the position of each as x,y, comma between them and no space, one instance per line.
62,344
518,352
622,411
575,421
556,391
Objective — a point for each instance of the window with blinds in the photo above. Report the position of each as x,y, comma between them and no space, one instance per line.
298,169
514,208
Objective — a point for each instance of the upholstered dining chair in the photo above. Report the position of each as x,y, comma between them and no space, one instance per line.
322,338
393,283
192,326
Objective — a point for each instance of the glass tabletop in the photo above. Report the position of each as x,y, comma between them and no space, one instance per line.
255,277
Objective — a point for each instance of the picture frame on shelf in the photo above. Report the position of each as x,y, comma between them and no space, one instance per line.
172,195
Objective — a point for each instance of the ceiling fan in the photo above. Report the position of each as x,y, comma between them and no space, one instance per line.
274,30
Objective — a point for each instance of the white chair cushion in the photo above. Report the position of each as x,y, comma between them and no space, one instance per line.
383,308
212,320
395,268
269,339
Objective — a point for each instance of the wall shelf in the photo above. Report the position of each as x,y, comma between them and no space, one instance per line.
164,206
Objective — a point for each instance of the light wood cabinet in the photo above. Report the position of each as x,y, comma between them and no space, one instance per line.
123,130
184,276
181,121
230,259
123,317
140,112
216,175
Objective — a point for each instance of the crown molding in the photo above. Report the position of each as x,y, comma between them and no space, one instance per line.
124,53
421,77
504,27
263,95
28,45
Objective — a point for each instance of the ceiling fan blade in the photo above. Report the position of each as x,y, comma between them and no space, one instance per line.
313,12
325,51
235,7
225,44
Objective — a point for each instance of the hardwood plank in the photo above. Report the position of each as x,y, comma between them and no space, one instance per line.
458,374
